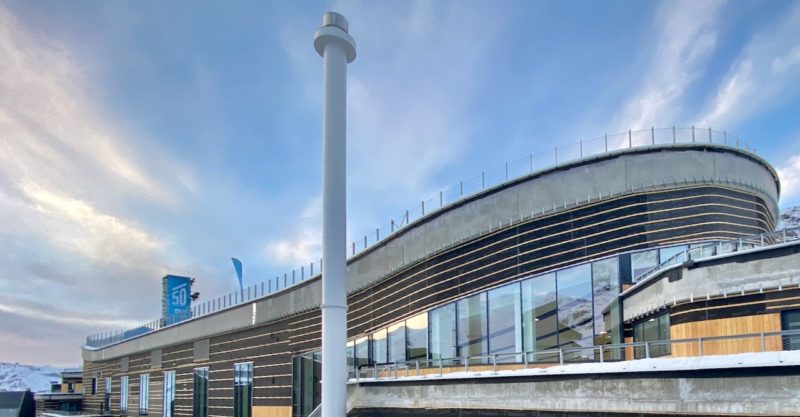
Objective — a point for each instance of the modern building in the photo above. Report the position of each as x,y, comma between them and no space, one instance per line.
65,396
642,252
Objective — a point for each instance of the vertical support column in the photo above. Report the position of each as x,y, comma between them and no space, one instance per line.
337,49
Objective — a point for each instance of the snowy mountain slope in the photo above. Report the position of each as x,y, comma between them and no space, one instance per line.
19,377
790,217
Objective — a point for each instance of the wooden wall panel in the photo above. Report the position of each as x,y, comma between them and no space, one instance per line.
724,327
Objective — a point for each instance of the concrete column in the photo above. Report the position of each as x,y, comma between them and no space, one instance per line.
337,49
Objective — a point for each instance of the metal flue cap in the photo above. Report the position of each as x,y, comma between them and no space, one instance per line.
335,19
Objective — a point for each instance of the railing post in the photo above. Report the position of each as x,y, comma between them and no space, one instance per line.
441,371
606,142
709,135
395,370
693,140
466,363
461,188
375,371
525,359
423,207
494,364
674,135
700,345
647,350
417,364
561,356
555,151
653,135
506,171
581,148
763,342
630,139
441,199
531,158
483,180
601,353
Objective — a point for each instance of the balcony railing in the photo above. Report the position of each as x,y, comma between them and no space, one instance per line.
508,172
708,250
621,352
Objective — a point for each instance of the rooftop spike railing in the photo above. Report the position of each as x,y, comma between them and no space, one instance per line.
508,172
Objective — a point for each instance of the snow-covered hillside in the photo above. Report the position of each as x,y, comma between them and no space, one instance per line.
19,377
790,217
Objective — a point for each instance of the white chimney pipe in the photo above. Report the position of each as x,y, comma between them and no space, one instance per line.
337,49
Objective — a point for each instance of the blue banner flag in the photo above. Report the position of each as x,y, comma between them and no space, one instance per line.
177,303
237,265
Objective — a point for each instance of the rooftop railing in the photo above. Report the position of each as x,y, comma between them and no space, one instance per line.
723,247
508,172
620,352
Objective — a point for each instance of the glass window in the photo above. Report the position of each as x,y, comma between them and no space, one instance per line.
575,328
539,315
379,346
200,393
107,397
94,386
242,389
650,330
605,283
144,394
362,351
505,320
397,342
643,261
169,393
123,395
472,331
305,383
666,254
790,320
417,337
443,332
350,351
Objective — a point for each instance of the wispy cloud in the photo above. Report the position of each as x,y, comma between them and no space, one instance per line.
765,71
304,243
686,37
68,178
789,173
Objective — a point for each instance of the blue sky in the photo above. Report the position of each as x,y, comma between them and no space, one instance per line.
145,138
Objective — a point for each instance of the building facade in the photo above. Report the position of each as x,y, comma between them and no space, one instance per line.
569,258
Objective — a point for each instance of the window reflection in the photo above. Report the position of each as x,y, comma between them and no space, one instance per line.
362,351
397,343
575,327
379,346
443,332
417,337
605,283
539,318
472,325
642,262
505,320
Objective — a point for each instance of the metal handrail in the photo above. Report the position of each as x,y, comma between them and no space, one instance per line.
508,172
777,237
391,370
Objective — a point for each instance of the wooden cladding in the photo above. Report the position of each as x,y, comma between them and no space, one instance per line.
763,323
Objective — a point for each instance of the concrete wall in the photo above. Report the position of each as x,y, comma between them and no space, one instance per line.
718,279
591,178
698,393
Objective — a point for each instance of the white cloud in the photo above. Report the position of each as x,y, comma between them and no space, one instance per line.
789,174
765,71
687,35
305,243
